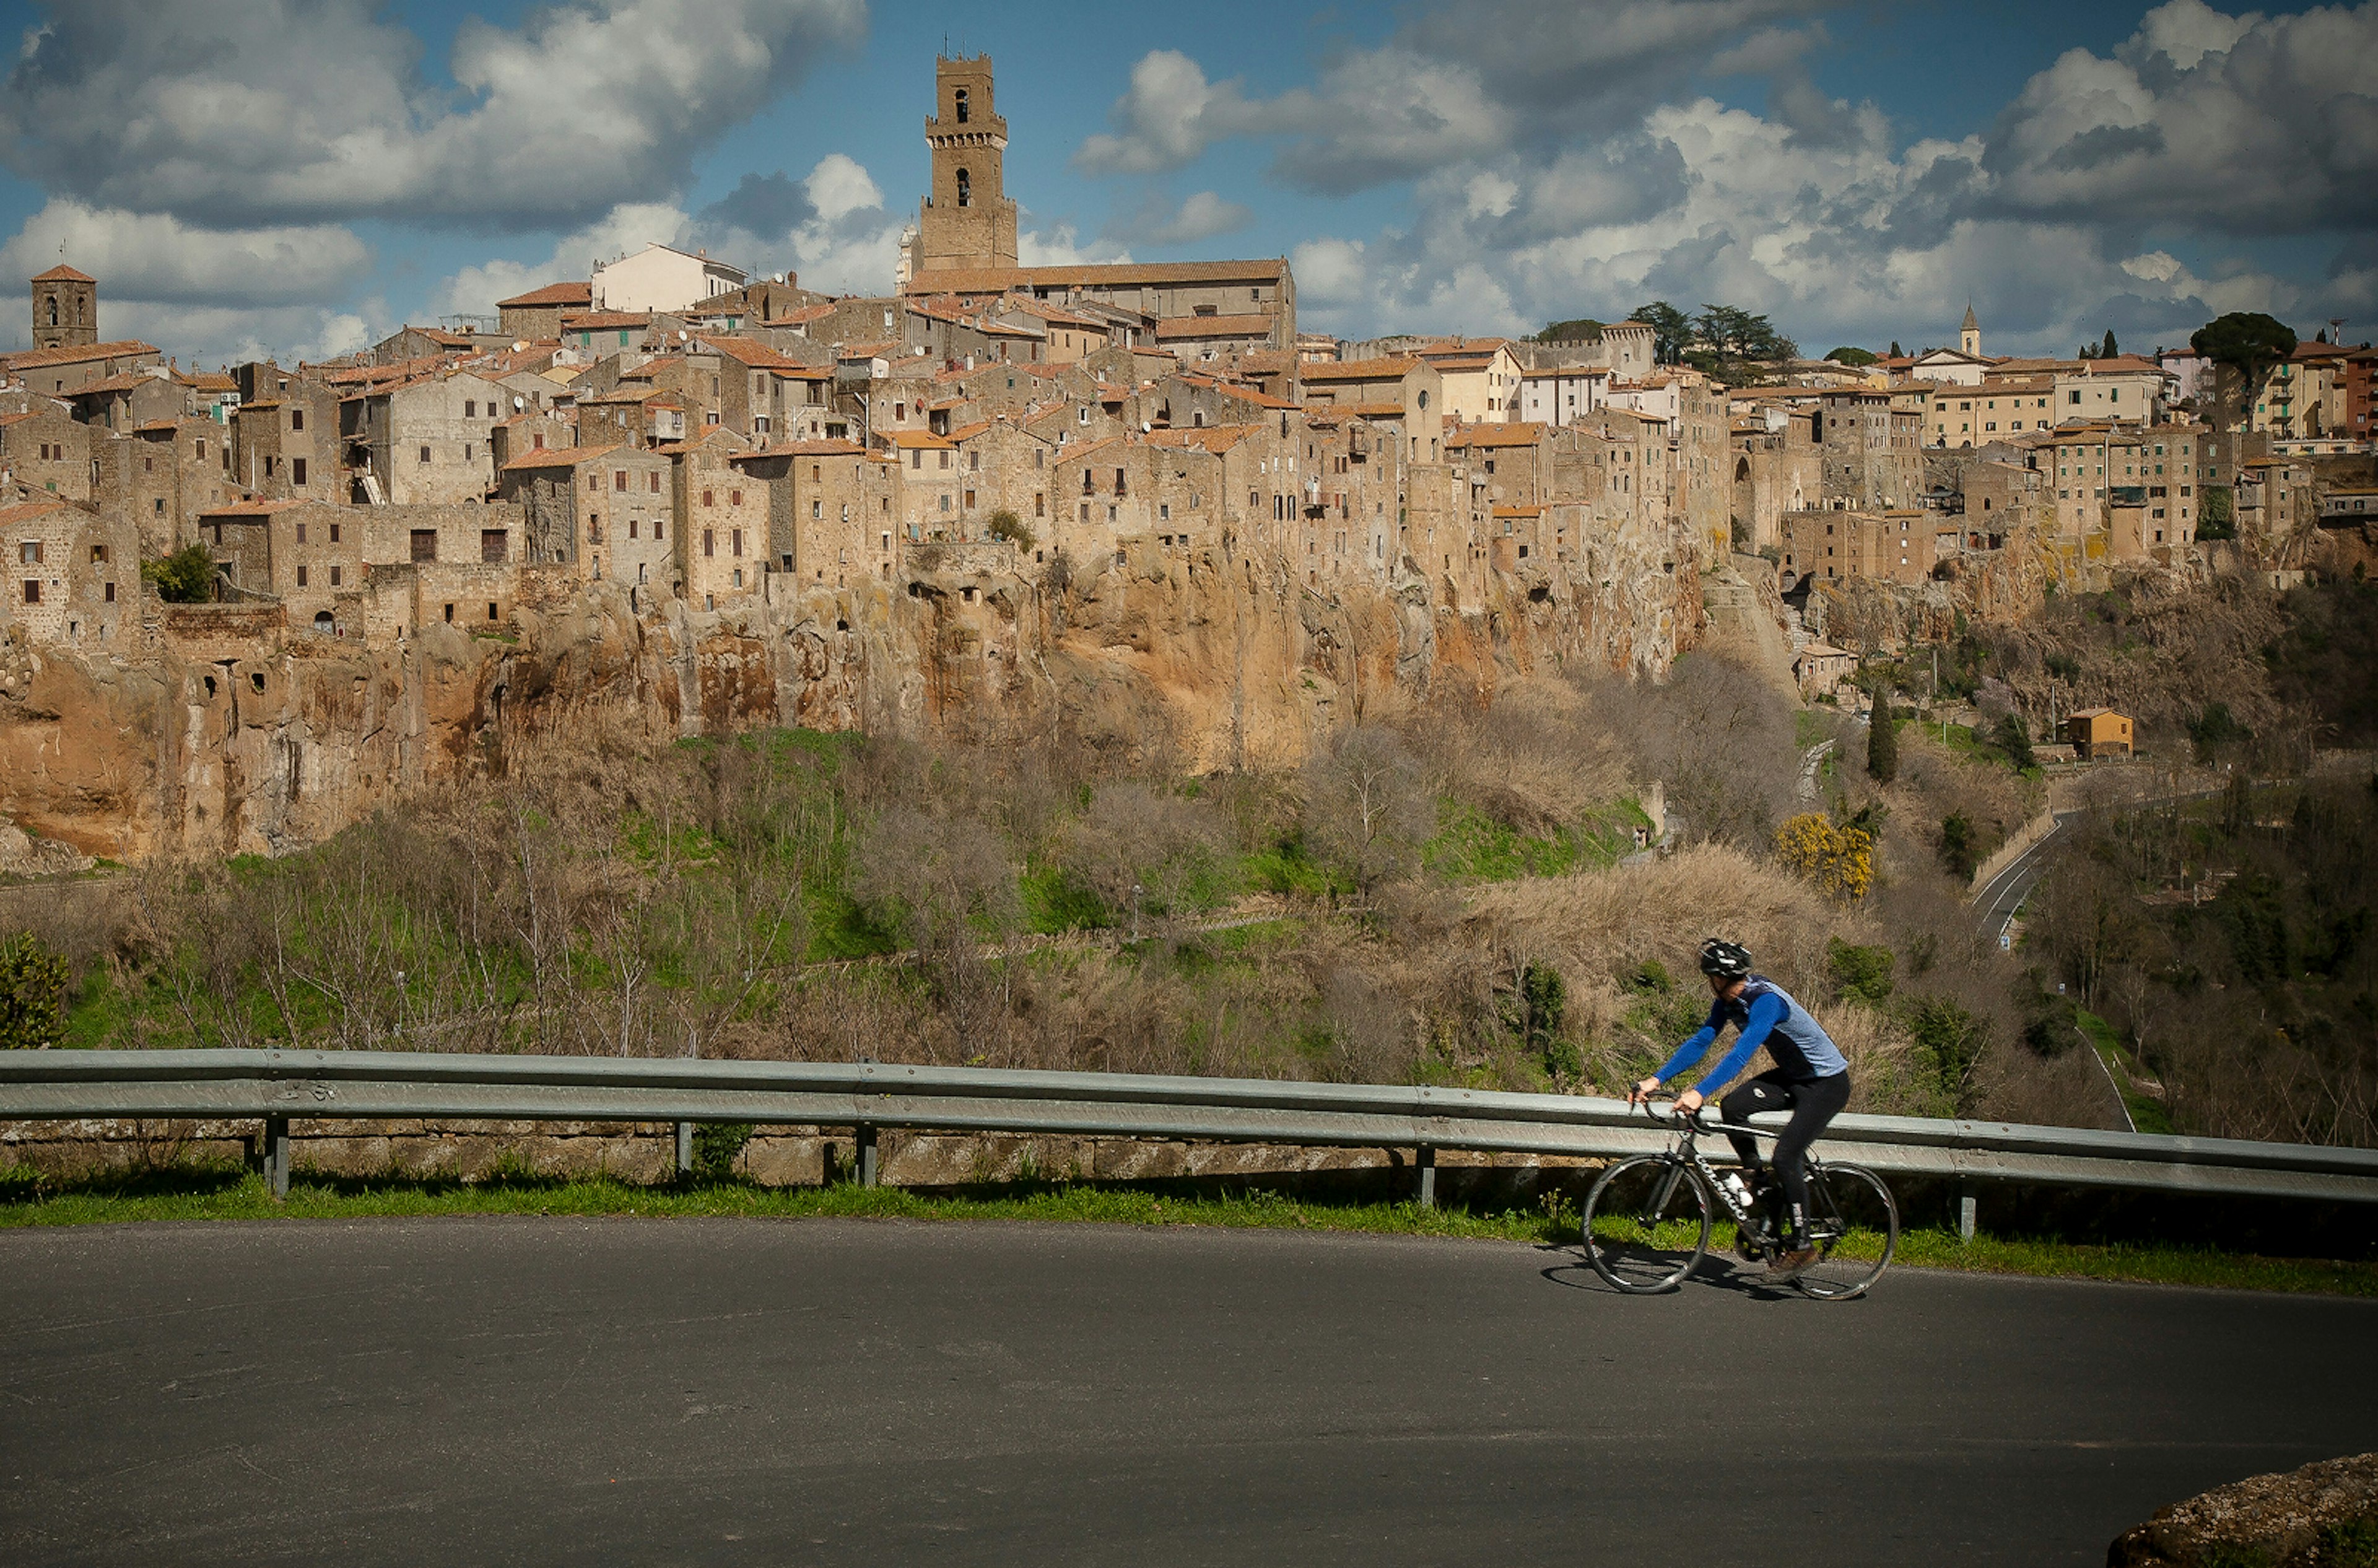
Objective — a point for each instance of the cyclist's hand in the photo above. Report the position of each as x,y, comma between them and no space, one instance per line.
1688,1102
1642,1091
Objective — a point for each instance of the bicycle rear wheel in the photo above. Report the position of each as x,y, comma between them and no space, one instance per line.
1854,1225
1647,1224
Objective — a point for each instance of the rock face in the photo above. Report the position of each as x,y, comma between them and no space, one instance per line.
2325,1515
226,731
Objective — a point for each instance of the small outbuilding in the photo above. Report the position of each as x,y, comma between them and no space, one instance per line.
2094,733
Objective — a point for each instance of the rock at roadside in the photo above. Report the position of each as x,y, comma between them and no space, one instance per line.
22,855
2325,1515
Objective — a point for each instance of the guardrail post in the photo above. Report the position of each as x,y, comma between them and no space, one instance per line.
1427,1163
1967,1202
866,1155
276,1155
684,1149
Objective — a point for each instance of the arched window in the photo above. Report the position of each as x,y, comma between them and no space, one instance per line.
966,188
960,99
53,310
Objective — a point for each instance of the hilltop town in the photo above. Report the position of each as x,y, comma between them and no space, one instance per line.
1129,500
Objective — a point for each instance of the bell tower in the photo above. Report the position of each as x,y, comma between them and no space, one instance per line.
967,219
66,309
1969,336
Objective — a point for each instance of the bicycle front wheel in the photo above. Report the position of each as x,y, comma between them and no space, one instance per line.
1854,1225
1647,1224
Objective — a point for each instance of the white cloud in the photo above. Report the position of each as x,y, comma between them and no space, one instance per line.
281,111
840,186
1202,217
1060,245
151,256
1465,80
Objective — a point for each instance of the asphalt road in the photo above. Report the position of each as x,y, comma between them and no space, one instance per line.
1996,904
462,1392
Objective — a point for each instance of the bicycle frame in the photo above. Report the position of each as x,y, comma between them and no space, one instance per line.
1689,1128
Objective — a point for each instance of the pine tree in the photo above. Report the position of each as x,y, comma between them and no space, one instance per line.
2109,351
1882,741
1894,349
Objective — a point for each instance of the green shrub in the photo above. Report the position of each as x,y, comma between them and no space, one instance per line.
1859,974
1951,1036
33,994
1005,525
717,1147
1543,999
185,577
2013,737
1959,845
1648,977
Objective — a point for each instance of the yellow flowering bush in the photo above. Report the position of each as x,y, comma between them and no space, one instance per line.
1838,860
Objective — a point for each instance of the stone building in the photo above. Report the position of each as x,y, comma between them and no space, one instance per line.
1895,545
1873,454
828,510
66,309
722,543
536,315
966,220
424,441
608,510
63,369
74,576
1777,468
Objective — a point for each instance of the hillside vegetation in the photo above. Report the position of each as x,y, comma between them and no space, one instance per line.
1439,899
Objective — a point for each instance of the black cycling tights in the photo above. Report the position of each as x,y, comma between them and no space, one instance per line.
1813,1101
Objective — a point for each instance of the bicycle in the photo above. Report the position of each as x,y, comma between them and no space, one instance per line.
1646,1220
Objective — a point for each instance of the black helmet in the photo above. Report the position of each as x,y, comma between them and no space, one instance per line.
1726,959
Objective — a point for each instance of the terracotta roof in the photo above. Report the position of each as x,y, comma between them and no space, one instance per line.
62,273
1125,274
165,425
604,321
122,381
552,293
212,381
11,516
792,372
1518,511
1215,438
42,359
558,456
1214,327
1359,369
749,354
907,438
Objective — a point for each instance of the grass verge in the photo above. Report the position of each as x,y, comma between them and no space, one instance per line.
204,1194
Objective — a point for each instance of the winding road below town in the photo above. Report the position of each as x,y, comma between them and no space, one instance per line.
503,1391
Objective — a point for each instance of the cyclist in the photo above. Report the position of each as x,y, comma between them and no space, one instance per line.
1810,1077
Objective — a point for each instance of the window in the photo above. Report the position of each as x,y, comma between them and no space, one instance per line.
425,544
296,419
301,574
735,497
660,528
110,593
631,528
198,448
966,188
619,479
470,409
335,574
424,454
1040,503
492,542
298,471
595,528
817,511
709,498
958,99
32,591
736,543
97,555
709,541
30,553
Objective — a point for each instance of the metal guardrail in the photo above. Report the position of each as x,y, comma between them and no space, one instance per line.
277,1087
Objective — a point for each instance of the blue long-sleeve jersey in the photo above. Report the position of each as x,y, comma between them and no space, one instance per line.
1766,1015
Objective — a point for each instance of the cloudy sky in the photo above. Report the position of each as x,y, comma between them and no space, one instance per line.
302,176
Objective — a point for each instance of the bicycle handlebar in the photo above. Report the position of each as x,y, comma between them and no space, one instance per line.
1698,1124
